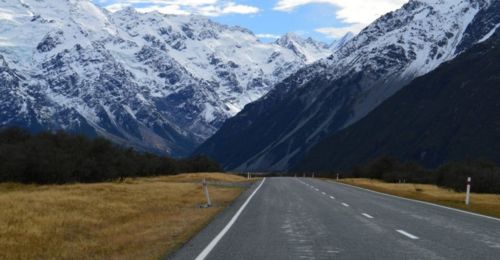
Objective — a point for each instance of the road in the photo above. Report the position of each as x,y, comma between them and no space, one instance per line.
305,218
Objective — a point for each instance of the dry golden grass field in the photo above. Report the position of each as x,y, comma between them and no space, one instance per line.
142,218
488,204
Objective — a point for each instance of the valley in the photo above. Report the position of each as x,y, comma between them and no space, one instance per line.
169,130
155,82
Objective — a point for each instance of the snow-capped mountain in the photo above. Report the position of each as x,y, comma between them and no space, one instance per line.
158,82
232,58
337,44
450,114
331,94
308,49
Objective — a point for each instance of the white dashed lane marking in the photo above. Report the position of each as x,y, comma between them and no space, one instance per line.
406,234
366,215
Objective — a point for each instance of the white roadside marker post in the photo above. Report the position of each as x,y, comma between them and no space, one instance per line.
313,175
248,175
337,177
467,195
205,189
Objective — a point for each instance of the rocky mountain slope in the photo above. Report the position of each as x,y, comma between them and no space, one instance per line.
450,114
157,82
276,132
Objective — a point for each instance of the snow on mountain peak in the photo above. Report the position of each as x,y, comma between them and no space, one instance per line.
337,44
150,80
309,49
333,93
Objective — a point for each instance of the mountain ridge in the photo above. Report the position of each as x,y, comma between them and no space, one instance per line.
447,115
338,91
156,82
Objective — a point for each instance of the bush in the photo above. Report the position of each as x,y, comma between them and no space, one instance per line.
485,176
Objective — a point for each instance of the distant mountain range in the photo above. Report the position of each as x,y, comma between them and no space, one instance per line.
450,114
416,84
156,82
276,132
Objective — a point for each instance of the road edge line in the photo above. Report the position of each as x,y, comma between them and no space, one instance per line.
419,201
221,234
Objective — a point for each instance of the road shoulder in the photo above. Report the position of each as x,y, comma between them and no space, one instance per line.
195,245
384,193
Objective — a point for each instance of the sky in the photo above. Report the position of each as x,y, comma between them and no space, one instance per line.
323,20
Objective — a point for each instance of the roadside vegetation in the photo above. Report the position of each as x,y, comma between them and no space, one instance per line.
485,175
487,204
59,158
444,185
136,218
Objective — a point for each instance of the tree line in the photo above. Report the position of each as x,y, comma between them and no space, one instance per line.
485,175
57,158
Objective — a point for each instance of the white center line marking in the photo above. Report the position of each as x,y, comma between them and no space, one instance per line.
366,215
323,193
219,236
332,197
345,204
406,234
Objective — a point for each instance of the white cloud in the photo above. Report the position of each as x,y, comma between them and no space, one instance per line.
167,9
232,8
354,13
267,36
228,8
350,11
183,7
116,7
161,2
338,32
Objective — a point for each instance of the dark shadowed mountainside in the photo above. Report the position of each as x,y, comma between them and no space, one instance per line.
450,114
277,131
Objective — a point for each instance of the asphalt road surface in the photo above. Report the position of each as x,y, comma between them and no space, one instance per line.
304,218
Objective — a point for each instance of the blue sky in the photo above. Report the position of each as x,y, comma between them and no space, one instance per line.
322,20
